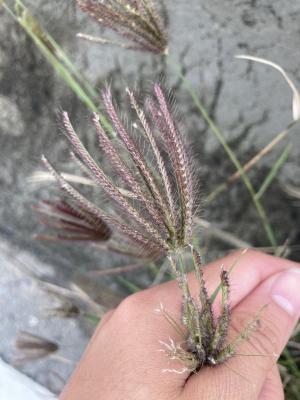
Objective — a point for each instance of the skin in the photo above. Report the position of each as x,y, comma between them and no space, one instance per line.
122,360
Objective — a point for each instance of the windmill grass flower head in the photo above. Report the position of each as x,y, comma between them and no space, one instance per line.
151,205
150,212
291,84
137,21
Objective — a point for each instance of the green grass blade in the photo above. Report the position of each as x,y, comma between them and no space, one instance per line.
56,57
290,363
61,55
132,287
94,319
273,172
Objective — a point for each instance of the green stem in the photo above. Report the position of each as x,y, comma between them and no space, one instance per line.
132,287
274,171
56,57
250,164
94,319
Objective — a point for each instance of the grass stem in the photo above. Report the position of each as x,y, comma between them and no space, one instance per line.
58,59
251,163
274,171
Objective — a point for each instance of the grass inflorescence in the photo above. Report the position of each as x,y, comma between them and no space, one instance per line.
139,23
154,209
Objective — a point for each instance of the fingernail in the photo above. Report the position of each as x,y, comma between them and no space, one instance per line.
286,291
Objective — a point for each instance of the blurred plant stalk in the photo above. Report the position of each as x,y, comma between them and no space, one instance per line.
56,56
251,163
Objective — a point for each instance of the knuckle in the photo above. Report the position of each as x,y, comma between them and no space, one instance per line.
131,306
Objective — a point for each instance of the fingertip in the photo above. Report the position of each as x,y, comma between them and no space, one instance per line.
285,292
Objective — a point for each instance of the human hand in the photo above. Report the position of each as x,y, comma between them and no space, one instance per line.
122,361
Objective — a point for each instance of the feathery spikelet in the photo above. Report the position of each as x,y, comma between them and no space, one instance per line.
32,347
150,219
75,223
137,21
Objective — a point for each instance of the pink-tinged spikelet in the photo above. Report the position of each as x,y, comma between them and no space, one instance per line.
136,21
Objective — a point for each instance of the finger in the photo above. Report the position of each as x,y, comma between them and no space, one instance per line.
246,374
106,317
272,388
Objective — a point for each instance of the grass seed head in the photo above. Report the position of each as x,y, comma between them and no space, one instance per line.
137,21
153,204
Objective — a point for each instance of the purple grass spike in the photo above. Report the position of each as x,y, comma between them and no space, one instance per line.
97,213
147,199
102,180
72,222
181,163
134,152
138,22
157,153
125,173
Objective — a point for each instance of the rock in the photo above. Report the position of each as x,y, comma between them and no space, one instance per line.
11,122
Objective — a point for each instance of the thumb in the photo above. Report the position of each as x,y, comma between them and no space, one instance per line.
272,388
243,376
